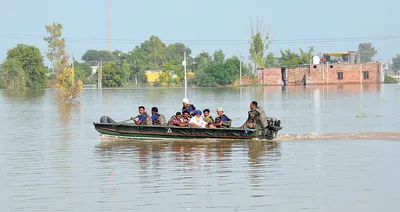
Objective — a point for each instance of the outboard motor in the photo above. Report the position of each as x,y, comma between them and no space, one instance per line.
274,125
106,119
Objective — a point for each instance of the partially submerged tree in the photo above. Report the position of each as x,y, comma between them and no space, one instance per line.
67,87
259,43
13,75
31,61
56,44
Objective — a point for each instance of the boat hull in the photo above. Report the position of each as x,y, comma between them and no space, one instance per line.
149,131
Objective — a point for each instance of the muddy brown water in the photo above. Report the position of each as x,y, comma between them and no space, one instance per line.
338,151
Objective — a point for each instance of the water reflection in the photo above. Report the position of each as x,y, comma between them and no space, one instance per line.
24,94
190,152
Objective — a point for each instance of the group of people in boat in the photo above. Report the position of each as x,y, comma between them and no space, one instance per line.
190,116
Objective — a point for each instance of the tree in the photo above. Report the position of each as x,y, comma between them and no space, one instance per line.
13,75
270,60
94,56
56,44
367,52
289,58
259,43
174,53
154,49
82,70
69,88
396,64
31,61
219,56
112,75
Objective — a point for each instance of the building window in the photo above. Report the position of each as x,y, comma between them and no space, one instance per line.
340,75
366,74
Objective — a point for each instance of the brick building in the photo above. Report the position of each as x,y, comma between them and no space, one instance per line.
345,73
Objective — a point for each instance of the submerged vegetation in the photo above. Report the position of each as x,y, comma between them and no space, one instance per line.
66,86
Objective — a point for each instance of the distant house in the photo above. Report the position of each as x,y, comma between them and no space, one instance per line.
94,69
344,73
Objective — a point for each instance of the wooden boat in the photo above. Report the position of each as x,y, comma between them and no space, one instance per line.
151,131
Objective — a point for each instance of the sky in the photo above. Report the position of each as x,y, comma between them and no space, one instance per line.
205,25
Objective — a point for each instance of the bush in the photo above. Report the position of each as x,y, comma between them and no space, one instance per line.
390,80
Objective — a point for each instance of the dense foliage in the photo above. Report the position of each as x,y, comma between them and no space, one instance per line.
30,60
390,80
367,52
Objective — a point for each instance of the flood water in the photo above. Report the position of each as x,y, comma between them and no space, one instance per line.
338,151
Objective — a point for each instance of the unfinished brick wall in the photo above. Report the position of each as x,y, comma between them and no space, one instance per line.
297,75
270,76
324,74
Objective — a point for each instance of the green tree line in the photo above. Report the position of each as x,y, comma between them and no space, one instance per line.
120,68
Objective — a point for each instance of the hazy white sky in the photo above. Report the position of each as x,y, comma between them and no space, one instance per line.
204,25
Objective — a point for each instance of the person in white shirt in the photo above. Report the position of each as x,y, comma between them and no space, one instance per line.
197,121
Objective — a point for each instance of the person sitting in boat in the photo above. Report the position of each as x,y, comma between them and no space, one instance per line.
186,117
157,119
188,107
207,117
177,120
197,121
143,118
222,121
256,118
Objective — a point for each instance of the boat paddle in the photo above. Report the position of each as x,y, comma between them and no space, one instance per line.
124,121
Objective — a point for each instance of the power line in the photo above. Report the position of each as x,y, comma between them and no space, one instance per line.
193,42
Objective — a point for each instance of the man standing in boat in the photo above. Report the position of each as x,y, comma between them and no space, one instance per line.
157,119
256,118
188,107
143,118
222,121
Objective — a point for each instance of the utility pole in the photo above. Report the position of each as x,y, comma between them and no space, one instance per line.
109,25
184,65
100,74
240,69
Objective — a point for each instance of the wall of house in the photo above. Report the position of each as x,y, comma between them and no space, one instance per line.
324,74
270,76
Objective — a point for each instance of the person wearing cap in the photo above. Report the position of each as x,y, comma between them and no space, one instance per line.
188,107
143,118
256,118
222,121
197,121
157,119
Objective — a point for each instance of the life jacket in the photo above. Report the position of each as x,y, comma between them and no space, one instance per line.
258,117
187,109
148,120
225,124
160,121
209,119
